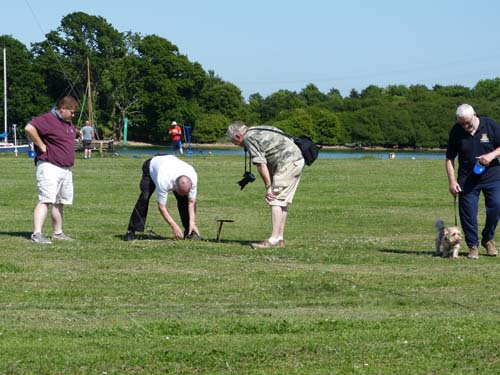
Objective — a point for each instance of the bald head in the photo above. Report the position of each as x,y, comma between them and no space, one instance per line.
183,185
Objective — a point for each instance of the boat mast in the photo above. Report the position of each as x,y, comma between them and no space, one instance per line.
89,98
5,94
89,92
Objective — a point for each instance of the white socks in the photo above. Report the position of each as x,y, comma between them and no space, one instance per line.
275,240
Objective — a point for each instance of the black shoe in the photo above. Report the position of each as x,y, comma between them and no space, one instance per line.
129,236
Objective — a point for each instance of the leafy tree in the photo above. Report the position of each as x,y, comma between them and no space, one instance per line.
170,85
452,91
485,107
372,92
488,88
424,137
188,78
280,101
255,105
63,55
418,93
221,97
397,127
123,83
333,104
346,105
295,122
211,128
362,127
432,121
354,94
397,90
334,93
326,125
312,95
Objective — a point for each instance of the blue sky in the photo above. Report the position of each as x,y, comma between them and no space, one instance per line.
267,45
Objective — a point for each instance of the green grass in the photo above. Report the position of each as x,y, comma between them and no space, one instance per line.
355,291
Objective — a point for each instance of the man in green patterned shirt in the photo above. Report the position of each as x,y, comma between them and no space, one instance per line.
280,165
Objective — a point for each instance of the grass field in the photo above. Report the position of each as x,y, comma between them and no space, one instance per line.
355,291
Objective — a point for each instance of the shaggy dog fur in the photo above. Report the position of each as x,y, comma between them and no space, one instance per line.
447,240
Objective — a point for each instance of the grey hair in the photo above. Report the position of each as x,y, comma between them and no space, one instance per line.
465,110
235,128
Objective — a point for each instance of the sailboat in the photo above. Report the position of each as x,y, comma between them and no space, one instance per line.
5,145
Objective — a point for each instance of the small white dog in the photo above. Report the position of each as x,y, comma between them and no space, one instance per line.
447,240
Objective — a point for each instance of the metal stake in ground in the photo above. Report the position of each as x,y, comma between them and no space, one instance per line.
220,222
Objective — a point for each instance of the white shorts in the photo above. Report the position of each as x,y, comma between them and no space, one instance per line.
55,184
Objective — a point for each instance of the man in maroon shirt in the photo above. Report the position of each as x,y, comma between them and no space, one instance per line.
53,135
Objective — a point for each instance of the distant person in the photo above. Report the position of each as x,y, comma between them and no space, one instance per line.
166,173
53,135
175,133
280,164
87,136
476,141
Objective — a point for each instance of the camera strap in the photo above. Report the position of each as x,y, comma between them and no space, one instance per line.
249,163
274,131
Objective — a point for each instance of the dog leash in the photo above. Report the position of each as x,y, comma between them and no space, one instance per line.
455,205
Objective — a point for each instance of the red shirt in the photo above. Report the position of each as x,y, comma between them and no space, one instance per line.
59,137
175,132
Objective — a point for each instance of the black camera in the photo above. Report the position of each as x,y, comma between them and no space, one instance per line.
247,177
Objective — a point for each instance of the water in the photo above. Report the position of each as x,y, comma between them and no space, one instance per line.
324,154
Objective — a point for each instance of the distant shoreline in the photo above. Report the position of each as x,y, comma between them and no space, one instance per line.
328,148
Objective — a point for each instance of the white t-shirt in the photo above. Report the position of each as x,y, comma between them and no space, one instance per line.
164,170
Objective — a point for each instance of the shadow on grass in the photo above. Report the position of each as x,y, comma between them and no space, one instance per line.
26,235
409,252
413,252
156,237
241,242
144,237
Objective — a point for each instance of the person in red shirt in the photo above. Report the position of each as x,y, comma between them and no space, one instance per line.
53,135
175,133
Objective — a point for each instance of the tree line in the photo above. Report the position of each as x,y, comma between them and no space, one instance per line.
148,80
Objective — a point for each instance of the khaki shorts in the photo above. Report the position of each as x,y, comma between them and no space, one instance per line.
285,183
55,184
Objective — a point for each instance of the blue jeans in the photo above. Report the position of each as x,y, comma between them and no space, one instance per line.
468,207
176,145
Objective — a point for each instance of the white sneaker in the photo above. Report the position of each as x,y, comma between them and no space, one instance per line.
40,238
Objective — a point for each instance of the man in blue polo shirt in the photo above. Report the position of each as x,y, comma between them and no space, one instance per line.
476,141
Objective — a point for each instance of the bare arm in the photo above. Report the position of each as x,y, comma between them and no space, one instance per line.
452,181
192,218
170,221
35,137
